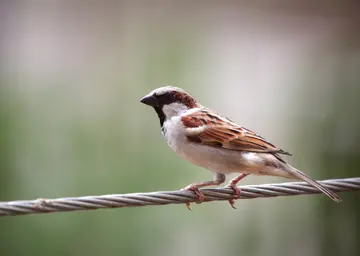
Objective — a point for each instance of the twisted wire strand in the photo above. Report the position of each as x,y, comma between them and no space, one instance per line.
169,197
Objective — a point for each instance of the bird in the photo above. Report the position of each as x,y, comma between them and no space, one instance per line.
214,142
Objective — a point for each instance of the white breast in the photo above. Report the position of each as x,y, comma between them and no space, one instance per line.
173,131
173,128
212,158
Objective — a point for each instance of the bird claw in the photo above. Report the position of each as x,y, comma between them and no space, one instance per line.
237,193
196,190
232,203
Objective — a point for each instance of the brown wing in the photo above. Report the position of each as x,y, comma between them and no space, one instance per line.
211,129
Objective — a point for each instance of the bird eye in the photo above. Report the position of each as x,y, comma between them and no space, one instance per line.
166,98
170,97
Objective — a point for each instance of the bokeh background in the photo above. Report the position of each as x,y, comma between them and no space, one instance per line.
72,74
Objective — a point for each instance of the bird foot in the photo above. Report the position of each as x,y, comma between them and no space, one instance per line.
196,190
237,192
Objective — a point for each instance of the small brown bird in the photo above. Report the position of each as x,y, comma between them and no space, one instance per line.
216,143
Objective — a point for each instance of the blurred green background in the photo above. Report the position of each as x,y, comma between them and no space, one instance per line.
72,74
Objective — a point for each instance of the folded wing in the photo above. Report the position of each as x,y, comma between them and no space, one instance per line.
208,128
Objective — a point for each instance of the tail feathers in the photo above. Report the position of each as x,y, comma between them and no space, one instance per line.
302,176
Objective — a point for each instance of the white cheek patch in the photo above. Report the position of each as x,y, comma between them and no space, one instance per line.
174,109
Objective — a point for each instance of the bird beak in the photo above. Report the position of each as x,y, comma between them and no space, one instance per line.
149,100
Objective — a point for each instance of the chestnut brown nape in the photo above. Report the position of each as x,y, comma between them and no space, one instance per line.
186,99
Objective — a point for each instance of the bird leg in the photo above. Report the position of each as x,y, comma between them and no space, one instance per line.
218,179
232,184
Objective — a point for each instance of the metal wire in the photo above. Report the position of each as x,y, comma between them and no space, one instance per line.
169,197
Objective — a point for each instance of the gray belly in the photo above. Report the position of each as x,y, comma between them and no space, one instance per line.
217,159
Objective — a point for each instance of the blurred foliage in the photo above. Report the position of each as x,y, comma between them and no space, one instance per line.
71,124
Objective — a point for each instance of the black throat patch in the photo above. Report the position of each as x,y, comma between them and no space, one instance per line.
160,114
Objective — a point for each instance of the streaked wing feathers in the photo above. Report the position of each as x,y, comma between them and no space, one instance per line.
221,132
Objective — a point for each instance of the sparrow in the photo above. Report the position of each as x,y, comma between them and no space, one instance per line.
212,141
